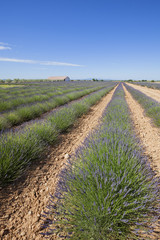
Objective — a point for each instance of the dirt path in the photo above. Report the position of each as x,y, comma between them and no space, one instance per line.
150,139
21,208
153,93
149,135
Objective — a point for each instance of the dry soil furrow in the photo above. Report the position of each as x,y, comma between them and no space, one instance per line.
150,139
153,93
22,208
149,135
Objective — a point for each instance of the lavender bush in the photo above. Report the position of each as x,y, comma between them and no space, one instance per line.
18,149
16,153
151,106
155,85
108,191
33,110
23,100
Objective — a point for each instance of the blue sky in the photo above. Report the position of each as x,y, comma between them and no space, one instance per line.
107,39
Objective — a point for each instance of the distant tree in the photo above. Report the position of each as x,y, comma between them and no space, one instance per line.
8,81
16,80
152,81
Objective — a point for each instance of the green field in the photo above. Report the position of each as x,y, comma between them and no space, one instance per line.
9,86
19,148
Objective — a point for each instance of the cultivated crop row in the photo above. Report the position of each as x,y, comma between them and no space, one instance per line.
16,101
20,91
18,149
43,88
31,111
148,84
10,101
151,106
108,190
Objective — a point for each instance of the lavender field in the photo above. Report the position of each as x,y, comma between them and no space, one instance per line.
19,147
108,190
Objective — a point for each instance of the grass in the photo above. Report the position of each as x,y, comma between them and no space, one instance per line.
108,190
19,149
151,106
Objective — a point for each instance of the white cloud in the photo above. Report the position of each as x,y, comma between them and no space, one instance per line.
49,63
40,68
4,48
2,43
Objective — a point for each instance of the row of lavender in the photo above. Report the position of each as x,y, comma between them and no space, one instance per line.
155,85
19,149
33,110
21,97
108,190
7,92
151,106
